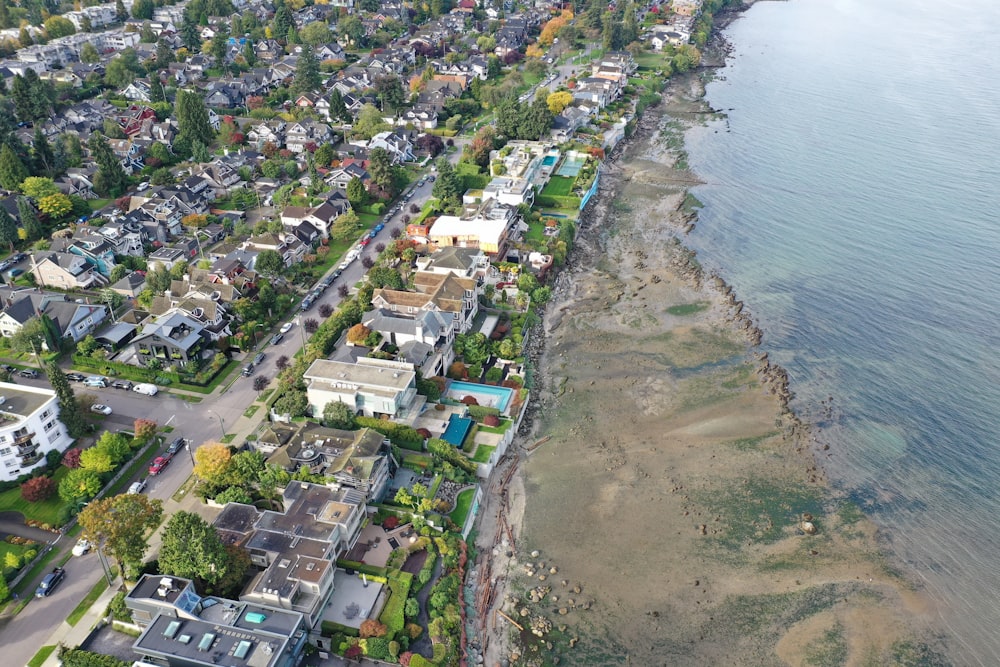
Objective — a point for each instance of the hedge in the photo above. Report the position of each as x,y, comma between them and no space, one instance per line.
480,411
399,434
127,370
75,657
557,201
420,661
363,568
392,615
330,628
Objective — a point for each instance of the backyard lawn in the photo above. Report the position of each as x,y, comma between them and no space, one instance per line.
46,511
462,505
483,453
559,186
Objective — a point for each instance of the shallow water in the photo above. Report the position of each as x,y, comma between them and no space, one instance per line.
851,200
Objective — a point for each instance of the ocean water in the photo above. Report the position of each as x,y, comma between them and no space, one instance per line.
852,200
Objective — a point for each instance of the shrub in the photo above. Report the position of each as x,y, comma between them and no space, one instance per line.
118,610
399,434
404,658
71,459
470,400
390,522
494,374
372,628
38,488
377,648
144,429
491,420
482,411
457,371
414,630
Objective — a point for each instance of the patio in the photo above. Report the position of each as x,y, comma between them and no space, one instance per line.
353,601
375,544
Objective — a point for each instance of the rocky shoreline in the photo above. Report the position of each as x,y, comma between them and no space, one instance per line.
701,411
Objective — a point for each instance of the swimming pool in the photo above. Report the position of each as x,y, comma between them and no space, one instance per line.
458,428
549,160
485,394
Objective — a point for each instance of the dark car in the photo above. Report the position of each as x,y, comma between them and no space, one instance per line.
76,377
276,338
175,446
258,359
306,304
122,384
28,373
49,583
336,273
247,370
158,464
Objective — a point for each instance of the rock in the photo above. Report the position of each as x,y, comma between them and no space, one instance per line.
542,577
577,589
808,527
553,570
573,641
564,582
535,553
524,611
563,611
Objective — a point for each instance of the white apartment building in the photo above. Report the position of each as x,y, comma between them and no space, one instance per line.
29,429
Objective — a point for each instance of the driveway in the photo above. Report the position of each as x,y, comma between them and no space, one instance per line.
12,523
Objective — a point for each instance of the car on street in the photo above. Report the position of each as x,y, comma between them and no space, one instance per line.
306,304
337,273
146,389
372,234
365,241
175,446
50,582
137,487
96,381
122,384
432,178
100,409
379,227
247,370
81,547
276,338
76,377
259,359
285,328
158,464
14,273
28,373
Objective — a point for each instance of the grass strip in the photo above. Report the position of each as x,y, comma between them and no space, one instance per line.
87,602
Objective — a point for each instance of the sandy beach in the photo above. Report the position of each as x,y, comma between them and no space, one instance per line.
675,504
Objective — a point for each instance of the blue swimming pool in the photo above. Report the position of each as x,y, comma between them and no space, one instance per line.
485,394
549,160
458,428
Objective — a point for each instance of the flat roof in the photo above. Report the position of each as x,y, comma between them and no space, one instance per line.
22,400
359,374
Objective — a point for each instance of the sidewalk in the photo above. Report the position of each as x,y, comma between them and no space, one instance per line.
74,635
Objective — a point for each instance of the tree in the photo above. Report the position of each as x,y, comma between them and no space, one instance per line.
79,485
59,26
559,100
337,414
70,413
315,34
211,462
38,488
260,383
71,458
41,154
111,179
57,206
192,118
12,170
219,45
430,143
142,9
338,108
96,460
383,172
369,122
8,229
356,193
389,90
448,186
191,548
117,74
89,54
121,14
120,524
269,263
282,20
307,77
293,402
346,226
384,276
351,28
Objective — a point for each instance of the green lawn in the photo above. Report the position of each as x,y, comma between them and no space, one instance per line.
483,453
98,204
536,233
19,549
46,511
41,656
85,604
462,505
559,186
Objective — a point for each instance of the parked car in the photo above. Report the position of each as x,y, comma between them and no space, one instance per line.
379,227
100,409
175,446
76,377
14,273
276,338
247,370
146,388
285,328
306,304
337,273
96,381
137,487
365,241
28,373
372,234
50,581
122,384
158,464
81,547
259,359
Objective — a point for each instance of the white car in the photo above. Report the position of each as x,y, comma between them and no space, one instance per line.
147,389
100,409
81,547
286,327
137,487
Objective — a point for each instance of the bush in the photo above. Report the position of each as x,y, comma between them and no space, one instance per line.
457,371
494,374
71,459
74,657
480,412
118,610
377,648
491,420
400,435
390,522
38,489
372,628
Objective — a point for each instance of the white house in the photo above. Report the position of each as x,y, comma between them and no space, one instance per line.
372,387
29,429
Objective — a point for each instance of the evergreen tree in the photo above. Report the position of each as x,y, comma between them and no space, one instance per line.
282,20
12,171
249,54
29,219
381,169
156,92
220,45
89,54
20,94
41,152
338,109
4,16
190,34
24,38
307,77
192,118
8,229
164,54
70,413
111,179
120,12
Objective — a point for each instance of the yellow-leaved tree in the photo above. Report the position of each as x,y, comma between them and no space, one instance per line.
211,461
559,100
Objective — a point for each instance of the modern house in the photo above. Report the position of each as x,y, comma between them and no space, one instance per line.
372,387
29,429
424,340
456,298
65,270
172,338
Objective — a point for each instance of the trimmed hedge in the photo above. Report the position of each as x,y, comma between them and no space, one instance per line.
481,411
420,661
363,568
75,657
392,615
129,371
330,628
399,434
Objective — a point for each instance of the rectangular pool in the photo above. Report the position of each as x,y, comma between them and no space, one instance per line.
458,429
485,394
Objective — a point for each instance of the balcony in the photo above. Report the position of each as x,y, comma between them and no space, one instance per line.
31,459
27,448
23,438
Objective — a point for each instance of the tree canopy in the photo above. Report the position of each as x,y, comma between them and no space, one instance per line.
192,548
120,524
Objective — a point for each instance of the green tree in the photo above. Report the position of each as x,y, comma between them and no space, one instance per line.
307,77
79,485
89,54
96,460
351,28
121,14
30,338
117,74
117,273
337,414
293,402
164,54
315,34
346,226
192,118
70,412
220,45
191,548
143,9
382,171
269,263
111,179
448,186
58,26
389,91
120,525
12,170
338,109
356,193
8,229
41,154
29,219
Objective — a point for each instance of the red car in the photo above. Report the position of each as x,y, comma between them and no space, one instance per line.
365,241
158,464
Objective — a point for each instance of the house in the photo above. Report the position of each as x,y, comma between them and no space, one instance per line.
332,51
131,285
291,249
372,387
29,429
137,90
179,627
421,116
457,298
341,176
170,340
323,216
65,271
168,257
396,143
424,339
488,226
296,550
299,135
72,320
462,262
361,460
92,247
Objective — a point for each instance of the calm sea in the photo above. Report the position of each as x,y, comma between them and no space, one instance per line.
852,199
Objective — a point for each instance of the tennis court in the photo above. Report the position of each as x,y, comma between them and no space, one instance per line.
572,165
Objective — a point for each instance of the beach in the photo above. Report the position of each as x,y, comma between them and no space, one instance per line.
673,501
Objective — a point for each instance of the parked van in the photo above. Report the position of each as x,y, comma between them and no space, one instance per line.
96,381
147,389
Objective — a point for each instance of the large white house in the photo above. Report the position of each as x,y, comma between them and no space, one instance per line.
372,387
29,429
